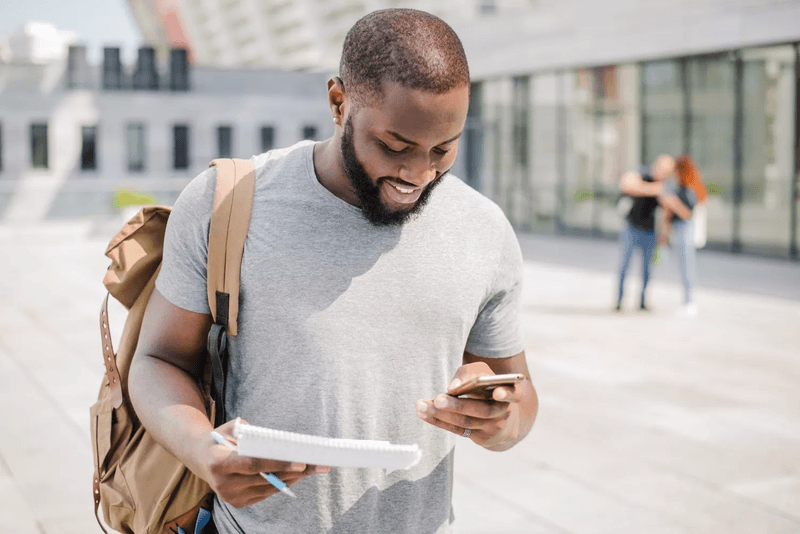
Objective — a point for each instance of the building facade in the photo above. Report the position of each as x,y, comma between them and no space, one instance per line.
571,96
288,34
74,137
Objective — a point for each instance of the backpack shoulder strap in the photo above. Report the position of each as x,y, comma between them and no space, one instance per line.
230,220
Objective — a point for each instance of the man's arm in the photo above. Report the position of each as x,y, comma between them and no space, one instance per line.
633,185
674,204
665,226
496,424
164,375
163,388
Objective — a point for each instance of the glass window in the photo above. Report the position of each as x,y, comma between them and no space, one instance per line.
39,153
178,70
88,147
543,144
662,109
769,92
577,88
517,184
616,138
520,120
224,141
112,68
712,114
180,146
310,132
1,146
473,137
267,138
136,147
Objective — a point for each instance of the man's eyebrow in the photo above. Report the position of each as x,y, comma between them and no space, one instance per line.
412,143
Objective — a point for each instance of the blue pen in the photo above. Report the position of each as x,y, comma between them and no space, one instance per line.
269,477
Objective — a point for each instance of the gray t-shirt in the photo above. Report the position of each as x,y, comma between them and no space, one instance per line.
344,325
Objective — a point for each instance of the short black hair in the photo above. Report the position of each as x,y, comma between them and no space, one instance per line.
410,47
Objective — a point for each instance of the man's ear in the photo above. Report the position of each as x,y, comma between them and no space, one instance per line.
336,99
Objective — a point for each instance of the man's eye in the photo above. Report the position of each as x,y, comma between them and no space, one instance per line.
390,151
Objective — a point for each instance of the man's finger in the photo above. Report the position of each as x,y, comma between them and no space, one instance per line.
475,408
457,419
250,466
506,394
450,427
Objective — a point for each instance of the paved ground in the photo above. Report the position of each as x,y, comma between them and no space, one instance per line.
649,423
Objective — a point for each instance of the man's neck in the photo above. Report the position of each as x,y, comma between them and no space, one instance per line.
330,171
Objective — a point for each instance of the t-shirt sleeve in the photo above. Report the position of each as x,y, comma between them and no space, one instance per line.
497,332
182,279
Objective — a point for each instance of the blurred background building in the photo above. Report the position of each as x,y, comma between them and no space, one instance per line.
567,96
288,34
572,93
74,136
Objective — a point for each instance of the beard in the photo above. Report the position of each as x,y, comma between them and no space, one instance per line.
368,193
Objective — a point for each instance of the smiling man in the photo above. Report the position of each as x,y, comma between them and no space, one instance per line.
372,282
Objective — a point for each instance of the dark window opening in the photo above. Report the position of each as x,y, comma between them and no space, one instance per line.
136,144
310,132
180,136
88,147
267,138
39,153
224,142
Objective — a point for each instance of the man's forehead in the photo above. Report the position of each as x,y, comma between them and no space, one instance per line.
412,112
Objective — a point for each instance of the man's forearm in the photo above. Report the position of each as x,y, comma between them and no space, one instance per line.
170,405
633,185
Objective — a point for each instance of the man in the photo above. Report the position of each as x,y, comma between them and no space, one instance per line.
370,281
646,187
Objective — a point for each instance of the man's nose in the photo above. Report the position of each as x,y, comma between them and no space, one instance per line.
420,173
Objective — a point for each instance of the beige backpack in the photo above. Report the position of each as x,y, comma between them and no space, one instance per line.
141,487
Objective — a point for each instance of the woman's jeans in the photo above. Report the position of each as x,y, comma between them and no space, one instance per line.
631,239
683,244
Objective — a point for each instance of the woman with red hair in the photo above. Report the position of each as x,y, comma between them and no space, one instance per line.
677,203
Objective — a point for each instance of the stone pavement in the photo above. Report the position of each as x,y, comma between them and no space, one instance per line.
652,423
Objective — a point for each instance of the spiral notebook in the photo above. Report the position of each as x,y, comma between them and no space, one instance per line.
260,442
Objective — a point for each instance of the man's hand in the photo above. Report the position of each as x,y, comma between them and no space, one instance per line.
494,422
633,185
236,478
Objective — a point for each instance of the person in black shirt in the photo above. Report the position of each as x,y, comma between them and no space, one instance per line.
644,186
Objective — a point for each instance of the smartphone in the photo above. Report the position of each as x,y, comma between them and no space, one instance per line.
485,384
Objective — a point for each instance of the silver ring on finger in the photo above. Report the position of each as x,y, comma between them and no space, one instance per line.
467,432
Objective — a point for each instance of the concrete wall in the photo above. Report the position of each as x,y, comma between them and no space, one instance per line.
576,33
